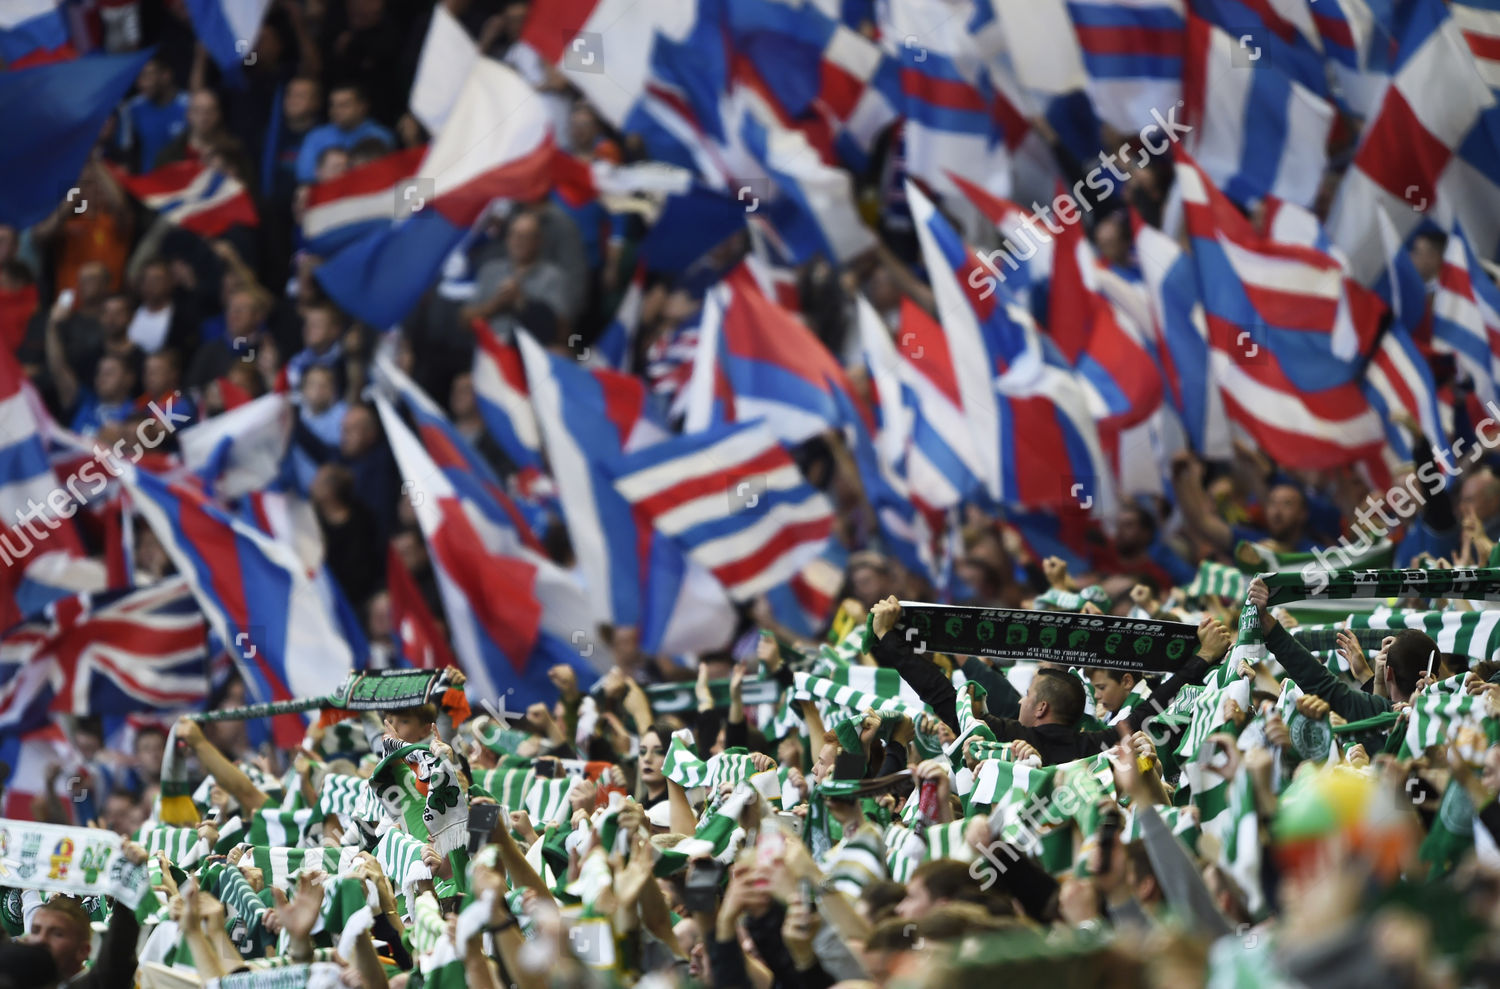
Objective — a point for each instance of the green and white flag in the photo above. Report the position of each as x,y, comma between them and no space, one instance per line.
856,861
1240,846
427,924
1312,738
1059,600
905,850
681,766
845,696
1442,718
1475,634
880,681
82,861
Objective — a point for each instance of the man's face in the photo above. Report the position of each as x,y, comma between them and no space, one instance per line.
318,330
1131,536
112,380
869,585
1285,512
156,285
93,283
358,432
115,317
522,240
301,100
346,109
203,113
120,814
1108,692
1031,707
1426,258
149,749
317,389
56,932
1480,495
161,376
917,901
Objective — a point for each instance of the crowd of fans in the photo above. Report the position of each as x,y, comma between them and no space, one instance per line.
825,844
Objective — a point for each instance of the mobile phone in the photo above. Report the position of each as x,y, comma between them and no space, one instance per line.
482,821
1111,821
700,893
65,299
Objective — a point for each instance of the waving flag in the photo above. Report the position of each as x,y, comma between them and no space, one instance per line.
1256,131
257,595
34,32
819,70
241,450
448,56
615,348
496,145
1182,329
1400,380
1133,53
756,360
107,654
505,402
587,420
733,499
490,598
193,197
1289,299
1355,44
362,201
1466,315
1030,423
228,29
54,114
1411,154
418,638
1253,363
1111,353
1479,20
464,468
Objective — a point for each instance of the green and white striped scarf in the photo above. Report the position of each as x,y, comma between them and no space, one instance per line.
1312,739
1441,718
507,786
905,850
427,924
1240,846
969,724
842,695
279,827
182,846
1475,634
547,801
685,769
1060,600
880,681
348,796
946,841
400,858
856,861
1218,580
280,866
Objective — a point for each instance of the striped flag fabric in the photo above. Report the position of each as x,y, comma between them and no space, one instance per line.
1410,152
227,30
257,595
508,786
735,502
1479,20
682,766
1255,129
280,865
1466,315
34,32
194,196
1133,55
505,401
182,846
348,796
1218,580
400,858
359,202
1399,379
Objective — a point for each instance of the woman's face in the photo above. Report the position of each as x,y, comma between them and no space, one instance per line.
653,754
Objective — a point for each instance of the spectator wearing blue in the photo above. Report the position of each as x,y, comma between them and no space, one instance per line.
348,124
154,117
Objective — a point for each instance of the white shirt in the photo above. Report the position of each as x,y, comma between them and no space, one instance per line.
148,330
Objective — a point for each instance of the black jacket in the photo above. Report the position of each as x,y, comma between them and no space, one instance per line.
1054,743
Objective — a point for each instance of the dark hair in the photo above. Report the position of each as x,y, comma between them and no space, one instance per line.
1146,516
1408,657
1118,676
1063,693
427,713
947,879
1433,236
880,898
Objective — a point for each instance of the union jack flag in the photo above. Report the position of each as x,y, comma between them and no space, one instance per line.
105,654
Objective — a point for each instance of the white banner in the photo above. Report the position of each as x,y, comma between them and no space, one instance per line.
84,861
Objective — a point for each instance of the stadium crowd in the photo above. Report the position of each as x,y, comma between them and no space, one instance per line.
1309,799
